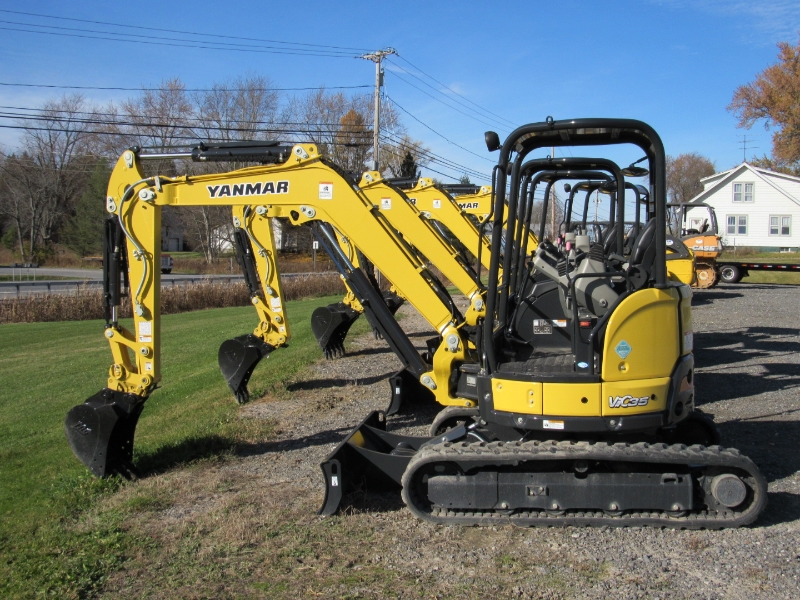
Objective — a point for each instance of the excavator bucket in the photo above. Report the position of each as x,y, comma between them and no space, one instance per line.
330,325
100,432
368,455
237,359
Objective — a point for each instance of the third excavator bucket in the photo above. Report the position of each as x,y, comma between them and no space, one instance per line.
330,323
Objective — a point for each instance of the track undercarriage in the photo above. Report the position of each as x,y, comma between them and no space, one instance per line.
466,476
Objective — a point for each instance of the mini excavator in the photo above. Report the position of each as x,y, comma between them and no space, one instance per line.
593,425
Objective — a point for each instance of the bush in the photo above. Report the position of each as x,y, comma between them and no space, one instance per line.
87,303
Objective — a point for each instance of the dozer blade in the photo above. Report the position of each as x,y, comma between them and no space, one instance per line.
368,455
330,325
237,359
100,432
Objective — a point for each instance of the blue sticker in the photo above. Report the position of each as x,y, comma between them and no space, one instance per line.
583,365
623,349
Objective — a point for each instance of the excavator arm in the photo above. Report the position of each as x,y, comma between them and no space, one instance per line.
295,183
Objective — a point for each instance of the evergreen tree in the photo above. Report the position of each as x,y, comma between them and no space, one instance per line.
408,169
83,231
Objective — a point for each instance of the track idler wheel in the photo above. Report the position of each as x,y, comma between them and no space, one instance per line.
330,325
237,359
707,276
100,432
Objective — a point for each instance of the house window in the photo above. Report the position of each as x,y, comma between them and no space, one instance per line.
737,224
743,192
780,225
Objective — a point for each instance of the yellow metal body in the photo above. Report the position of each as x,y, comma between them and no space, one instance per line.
646,335
417,231
273,326
302,189
440,206
681,270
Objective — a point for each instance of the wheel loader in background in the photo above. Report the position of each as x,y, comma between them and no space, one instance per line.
594,426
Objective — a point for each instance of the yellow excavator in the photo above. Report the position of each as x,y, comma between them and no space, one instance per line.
595,426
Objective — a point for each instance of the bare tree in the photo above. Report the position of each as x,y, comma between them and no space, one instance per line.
238,110
684,173
43,181
395,154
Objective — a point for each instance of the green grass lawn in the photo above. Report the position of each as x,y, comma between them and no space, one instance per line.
46,494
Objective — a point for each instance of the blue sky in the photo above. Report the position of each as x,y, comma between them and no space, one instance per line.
671,63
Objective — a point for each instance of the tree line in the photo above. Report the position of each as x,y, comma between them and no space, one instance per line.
53,186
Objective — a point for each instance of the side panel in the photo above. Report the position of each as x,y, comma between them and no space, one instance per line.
517,396
635,397
572,399
643,336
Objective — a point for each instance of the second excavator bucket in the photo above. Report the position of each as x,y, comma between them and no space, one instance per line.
100,432
369,455
237,359
330,325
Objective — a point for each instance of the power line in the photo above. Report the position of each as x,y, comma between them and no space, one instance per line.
430,156
149,89
213,35
437,133
478,106
473,117
185,122
200,45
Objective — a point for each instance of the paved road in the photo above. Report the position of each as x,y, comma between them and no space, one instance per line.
34,281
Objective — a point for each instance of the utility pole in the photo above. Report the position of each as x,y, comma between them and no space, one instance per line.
377,57
553,202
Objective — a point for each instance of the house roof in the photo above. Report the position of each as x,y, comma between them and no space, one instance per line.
765,175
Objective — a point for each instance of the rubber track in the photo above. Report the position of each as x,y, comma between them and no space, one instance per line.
498,454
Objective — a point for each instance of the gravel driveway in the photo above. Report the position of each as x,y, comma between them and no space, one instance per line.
747,350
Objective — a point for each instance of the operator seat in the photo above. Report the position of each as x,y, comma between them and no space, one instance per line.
643,256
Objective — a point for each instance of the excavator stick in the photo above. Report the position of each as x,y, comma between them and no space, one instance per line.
393,303
237,359
100,432
330,325
369,455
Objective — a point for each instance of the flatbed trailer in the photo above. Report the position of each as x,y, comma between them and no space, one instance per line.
733,271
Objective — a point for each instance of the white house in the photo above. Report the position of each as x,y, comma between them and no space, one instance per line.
755,207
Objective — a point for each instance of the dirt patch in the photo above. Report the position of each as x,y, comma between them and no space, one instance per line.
246,526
